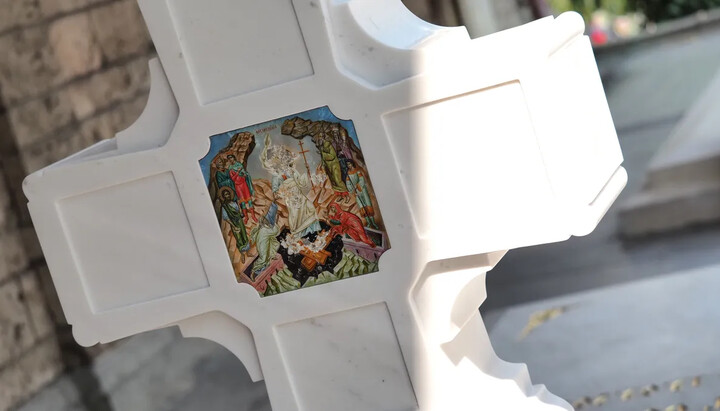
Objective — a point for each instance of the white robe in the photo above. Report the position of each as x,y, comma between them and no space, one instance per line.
302,217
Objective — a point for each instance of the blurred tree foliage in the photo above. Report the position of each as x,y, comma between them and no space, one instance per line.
659,10
587,7
654,10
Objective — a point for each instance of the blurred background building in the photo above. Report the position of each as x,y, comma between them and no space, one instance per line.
74,72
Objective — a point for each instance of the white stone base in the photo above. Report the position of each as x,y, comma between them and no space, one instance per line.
682,187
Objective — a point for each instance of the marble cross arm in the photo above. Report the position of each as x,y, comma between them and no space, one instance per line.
321,186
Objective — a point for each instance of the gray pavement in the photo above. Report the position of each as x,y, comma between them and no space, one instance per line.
627,336
649,88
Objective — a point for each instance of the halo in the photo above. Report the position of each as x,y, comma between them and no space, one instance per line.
224,189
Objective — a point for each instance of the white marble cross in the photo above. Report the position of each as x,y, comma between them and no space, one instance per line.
321,185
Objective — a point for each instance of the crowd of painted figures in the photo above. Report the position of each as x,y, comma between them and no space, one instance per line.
302,231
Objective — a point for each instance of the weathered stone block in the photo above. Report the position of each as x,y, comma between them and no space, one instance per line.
15,332
12,389
120,29
42,324
132,110
32,371
38,118
50,8
7,139
18,13
109,87
74,45
37,156
101,127
28,65
31,243
5,211
12,253
51,298
42,364
5,214
110,123
14,176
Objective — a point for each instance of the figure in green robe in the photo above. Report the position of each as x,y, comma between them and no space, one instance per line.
222,176
331,163
357,184
264,236
233,214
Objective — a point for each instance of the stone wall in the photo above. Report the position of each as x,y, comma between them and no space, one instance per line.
72,72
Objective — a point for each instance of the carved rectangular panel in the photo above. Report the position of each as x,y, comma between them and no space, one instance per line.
230,63
141,223
356,352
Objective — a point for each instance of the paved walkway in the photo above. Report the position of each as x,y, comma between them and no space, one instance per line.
648,90
606,342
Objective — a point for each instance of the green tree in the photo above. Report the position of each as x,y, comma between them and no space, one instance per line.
587,7
660,10
654,10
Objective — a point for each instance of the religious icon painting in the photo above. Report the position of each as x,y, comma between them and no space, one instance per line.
294,202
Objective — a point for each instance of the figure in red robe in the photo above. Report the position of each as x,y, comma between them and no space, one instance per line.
243,186
347,223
